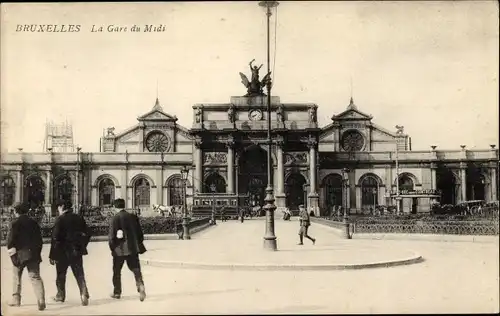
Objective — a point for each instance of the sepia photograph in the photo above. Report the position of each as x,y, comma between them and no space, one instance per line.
253,157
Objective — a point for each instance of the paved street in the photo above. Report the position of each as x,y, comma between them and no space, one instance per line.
459,277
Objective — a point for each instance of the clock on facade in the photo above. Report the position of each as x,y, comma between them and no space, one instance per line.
255,115
352,141
157,142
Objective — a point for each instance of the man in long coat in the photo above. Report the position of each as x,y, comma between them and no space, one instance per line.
126,242
70,237
24,245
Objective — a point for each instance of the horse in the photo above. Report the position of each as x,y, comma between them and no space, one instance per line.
163,210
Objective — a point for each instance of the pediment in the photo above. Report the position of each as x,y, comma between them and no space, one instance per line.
352,114
157,115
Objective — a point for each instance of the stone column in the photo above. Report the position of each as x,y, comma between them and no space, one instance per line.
124,184
312,143
312,167
463,180
493,184
433,176
280,171
198,162
48,193
19,186
95,196
230,165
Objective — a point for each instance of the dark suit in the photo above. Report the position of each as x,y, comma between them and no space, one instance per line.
70,238
127,248
25,235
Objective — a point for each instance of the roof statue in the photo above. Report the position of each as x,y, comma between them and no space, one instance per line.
254,87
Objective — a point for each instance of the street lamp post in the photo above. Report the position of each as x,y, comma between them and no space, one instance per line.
345,220
213,187
270,242
185,219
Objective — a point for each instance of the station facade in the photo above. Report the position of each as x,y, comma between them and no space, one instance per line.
350,162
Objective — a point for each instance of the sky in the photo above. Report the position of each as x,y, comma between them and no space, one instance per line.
429,66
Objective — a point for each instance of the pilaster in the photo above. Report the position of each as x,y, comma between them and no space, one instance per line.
159,182
48,192
19,186
141,137
433,176
493,182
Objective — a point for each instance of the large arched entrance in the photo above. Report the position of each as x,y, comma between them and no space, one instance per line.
142,192
370,188
34,191
332,186
106,190
252,174
447,184
215,181
406,185
294,191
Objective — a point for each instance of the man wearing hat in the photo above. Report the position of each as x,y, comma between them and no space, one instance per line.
305,222
126,242
24,245
70,237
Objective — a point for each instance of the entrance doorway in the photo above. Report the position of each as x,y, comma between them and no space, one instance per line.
476,183
34,191
252,174
447,184
295,191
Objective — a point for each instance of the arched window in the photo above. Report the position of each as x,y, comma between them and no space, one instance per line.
34,191
106,192
218,181
405,183
7,191
175,192
142,192
64,189
369,192
332,185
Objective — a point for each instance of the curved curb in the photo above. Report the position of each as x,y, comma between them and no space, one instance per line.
281,267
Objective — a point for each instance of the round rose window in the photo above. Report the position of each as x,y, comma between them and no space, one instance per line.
157,142
352,141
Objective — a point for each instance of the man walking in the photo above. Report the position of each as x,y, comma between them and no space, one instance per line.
304,225
24,245
126,242
70,238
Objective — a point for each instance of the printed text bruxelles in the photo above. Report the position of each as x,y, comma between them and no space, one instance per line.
55,28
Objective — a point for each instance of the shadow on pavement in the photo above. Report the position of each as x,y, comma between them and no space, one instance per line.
149,298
